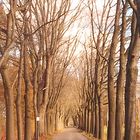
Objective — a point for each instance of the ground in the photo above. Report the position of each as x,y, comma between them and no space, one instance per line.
69,134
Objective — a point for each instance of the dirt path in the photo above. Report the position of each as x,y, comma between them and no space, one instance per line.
70,134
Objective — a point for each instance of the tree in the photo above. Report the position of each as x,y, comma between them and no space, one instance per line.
8,86
131,74
111,86
119,124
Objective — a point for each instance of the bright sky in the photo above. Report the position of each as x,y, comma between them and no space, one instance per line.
83,23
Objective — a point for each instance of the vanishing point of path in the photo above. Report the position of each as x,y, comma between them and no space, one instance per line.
70,134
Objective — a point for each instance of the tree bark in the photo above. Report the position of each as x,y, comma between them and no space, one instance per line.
96,130
9,99
111,74
84,119
97,92
121,81
43,107
18,100
92,118
101,119
29,109
131,81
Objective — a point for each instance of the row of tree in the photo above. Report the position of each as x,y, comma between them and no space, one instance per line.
44,84
110,69
35,51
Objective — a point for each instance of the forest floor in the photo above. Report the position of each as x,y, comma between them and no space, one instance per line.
70,134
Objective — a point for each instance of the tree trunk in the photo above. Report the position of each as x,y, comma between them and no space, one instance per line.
9,99
131,82
42,121
89,117
120,81
92,118
49,123
87,114
111,74
101,119
29,116
29,109
44,100
85,118
53,122
56,119
18,100
89,129
96,130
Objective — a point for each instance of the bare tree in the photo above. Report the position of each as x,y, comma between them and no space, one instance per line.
111,86
131,74
8,88
121,79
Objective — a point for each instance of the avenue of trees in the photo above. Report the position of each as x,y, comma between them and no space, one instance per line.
62,60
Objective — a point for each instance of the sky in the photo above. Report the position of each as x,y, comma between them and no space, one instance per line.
83,23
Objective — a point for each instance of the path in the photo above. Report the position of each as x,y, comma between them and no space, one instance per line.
70,134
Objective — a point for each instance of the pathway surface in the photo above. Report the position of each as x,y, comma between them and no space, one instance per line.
70,134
